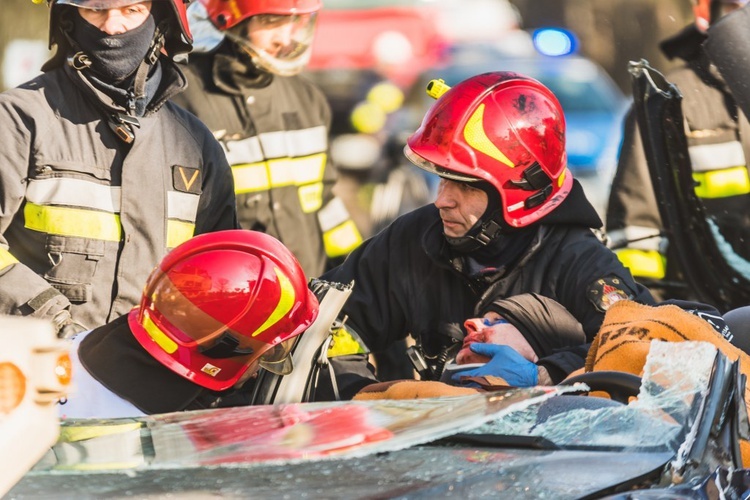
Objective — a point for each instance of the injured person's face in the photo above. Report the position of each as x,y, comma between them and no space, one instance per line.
492,331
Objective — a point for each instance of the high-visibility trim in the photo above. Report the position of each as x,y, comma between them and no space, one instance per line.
639,237
75,222
286,302
183,206
722,183
476,137
281,144
6,259
333,214
282,172
707,157
345,343
179,232
162,340
643,263
67,192
341,240
310,197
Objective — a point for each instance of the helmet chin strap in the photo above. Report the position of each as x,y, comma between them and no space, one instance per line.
480,235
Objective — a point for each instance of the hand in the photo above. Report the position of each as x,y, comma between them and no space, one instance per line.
505,362
65,326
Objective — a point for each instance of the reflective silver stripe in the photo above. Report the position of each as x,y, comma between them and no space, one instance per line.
716,156
69,192
333,214
183,206
244,151
280,144
648,238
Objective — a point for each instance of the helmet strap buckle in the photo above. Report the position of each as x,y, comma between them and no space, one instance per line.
538,198
489,232
533,178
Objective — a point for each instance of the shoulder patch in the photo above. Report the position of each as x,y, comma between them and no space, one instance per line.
187,179
606,291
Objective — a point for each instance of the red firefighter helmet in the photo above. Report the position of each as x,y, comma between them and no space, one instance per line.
223,304
503,128
288,53
177,40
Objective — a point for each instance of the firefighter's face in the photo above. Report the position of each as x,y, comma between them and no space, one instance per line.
460,206
118,20
275,34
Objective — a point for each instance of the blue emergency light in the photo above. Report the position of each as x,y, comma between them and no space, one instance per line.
554,42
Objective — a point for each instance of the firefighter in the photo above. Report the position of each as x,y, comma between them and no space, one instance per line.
100,175
718,136
508,219
272,123
216,309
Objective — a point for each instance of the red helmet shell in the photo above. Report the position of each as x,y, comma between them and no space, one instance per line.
226,14
219,303
499,127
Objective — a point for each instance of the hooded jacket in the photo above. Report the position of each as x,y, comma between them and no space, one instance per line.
85,217
718,136
407,280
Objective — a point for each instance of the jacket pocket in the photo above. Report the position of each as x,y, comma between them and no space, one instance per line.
73,265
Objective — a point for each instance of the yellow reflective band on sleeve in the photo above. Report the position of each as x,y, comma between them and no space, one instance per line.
344,343
311,197
722,183
6,259
65,221
342,239
262,176
179,232
643,263
286,302
168,345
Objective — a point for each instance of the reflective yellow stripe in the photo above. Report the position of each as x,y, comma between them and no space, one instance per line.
344,343
6,259
179,232
477,138
722,183
65,221
161,339
253,177
286,302
311,197
342,239
643,263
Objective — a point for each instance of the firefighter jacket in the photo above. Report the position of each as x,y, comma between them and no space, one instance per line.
407,280
85,217
718,136
274,131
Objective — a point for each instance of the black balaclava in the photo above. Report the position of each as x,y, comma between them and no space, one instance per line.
492,215
114,58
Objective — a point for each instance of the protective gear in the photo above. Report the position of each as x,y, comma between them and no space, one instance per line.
114,57
505,363
222,304
177,37
503,128
289,23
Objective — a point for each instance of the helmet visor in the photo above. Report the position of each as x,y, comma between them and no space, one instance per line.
278,359
99,4
436,169
279,44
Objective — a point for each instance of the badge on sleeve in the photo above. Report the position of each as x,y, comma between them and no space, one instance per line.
606,291
187,179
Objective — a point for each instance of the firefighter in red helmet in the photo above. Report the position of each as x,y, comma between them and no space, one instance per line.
508,219
273,123
216,309
101,175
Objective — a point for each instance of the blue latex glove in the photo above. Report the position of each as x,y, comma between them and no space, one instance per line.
505,362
